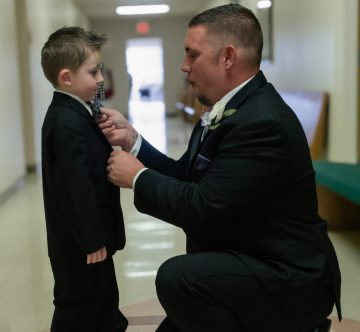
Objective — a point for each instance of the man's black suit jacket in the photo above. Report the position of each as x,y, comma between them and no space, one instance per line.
249,189
82,208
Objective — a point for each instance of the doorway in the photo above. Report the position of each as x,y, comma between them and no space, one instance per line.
144,61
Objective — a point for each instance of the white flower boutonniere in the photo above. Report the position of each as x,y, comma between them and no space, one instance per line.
217,113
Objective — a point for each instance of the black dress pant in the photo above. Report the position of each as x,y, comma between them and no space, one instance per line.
217,292
86,297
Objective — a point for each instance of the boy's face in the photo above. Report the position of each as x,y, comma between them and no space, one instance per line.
85,80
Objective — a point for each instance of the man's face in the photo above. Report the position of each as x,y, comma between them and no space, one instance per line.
85,80
202,66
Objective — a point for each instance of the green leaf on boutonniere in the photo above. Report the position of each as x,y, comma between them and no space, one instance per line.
214,126
226,114
229,112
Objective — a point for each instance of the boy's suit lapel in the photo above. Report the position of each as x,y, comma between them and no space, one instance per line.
97,129
81,109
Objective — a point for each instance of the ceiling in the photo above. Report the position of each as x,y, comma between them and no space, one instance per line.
106,8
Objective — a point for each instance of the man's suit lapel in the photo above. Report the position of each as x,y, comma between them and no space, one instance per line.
195,142
234,103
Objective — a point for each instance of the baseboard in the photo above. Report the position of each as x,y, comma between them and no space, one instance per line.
9,192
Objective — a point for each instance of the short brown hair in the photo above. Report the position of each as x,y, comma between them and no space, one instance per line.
236,23
68,47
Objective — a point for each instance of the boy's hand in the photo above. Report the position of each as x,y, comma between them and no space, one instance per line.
97,256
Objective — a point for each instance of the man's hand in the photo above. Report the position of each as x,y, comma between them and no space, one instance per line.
97,256
122,168
117,129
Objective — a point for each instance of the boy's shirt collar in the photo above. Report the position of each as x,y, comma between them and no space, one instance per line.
77,98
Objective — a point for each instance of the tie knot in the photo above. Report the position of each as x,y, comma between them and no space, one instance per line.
205,119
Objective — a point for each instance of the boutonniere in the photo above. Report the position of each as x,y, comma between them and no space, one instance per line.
218,115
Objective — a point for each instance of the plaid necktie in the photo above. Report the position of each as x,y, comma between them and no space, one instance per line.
95,108
96,103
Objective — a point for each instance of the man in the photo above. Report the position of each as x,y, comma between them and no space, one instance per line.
258,255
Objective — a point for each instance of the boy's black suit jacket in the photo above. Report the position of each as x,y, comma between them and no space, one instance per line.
248,189
82,208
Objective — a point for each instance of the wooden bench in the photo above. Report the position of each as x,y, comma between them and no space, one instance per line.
189,106
338,184
311,107
338,189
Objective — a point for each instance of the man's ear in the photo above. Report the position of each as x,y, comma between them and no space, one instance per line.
64,77
229,55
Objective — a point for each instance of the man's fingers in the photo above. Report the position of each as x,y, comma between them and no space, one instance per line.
106,123
108,130
113,154
106,111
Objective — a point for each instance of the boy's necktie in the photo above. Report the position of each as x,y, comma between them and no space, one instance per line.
95,104
95,108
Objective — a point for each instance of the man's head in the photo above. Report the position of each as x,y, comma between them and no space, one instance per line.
71,60
223,49
233,24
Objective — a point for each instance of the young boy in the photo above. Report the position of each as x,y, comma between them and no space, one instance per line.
84,220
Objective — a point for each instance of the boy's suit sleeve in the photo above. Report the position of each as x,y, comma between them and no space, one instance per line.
75,189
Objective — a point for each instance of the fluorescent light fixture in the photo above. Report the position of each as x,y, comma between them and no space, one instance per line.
262,4
142,10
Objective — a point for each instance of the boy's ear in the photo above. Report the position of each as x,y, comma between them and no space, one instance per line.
64,77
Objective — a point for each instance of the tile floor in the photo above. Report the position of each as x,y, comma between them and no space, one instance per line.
26,281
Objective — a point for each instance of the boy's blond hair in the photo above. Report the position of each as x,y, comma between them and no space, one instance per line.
68,47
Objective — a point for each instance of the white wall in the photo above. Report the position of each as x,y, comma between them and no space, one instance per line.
44,17
12,166
24,92
315,47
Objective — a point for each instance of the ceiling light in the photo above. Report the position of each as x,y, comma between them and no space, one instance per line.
262,4
142,10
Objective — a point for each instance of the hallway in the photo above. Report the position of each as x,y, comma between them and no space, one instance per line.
26,280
